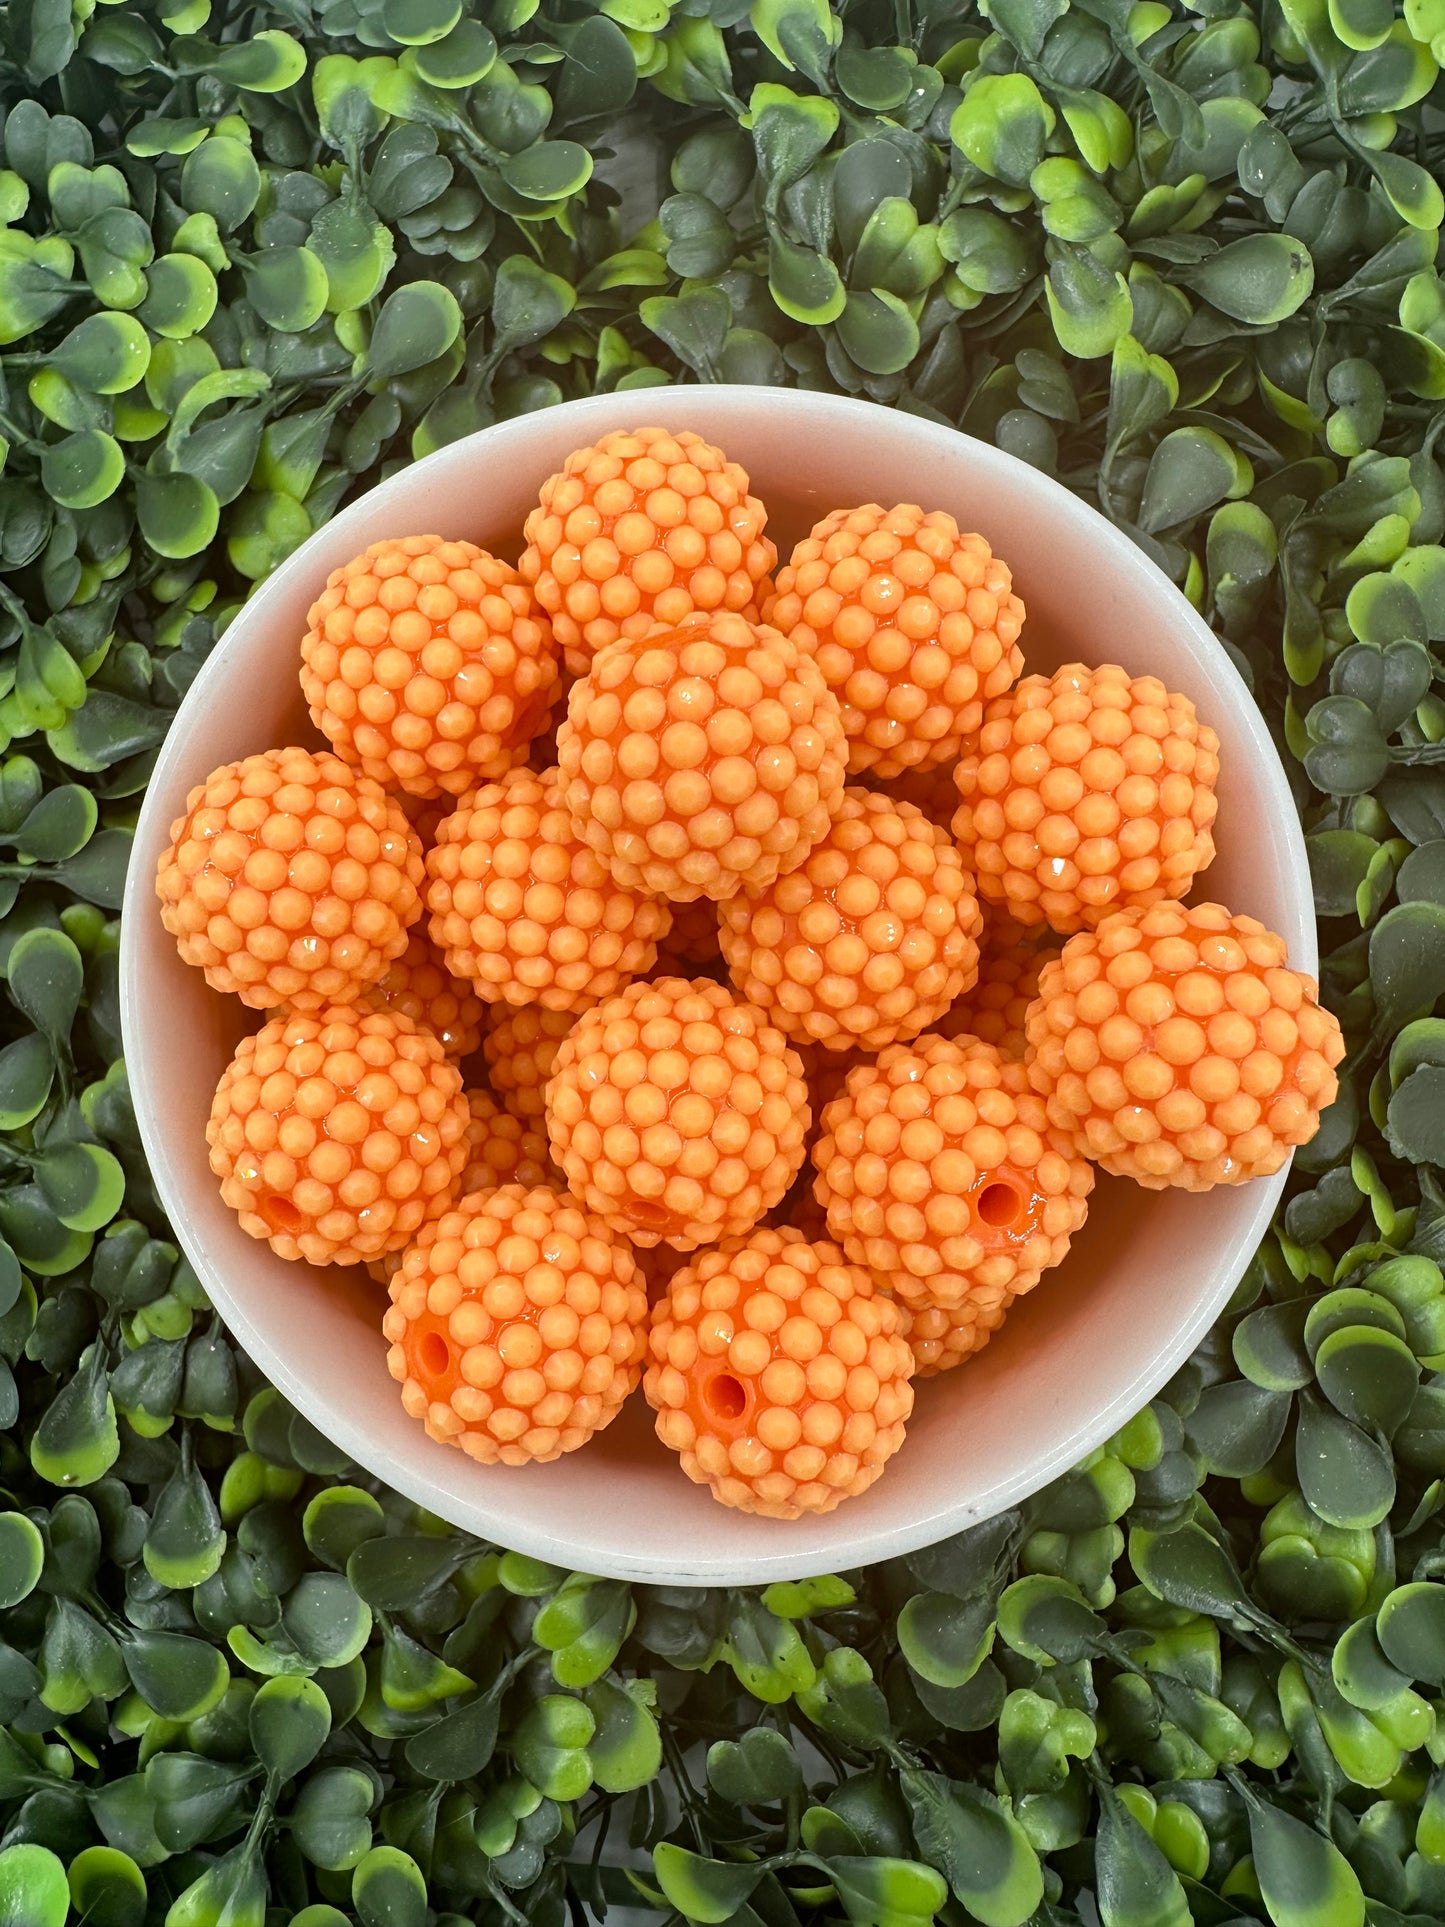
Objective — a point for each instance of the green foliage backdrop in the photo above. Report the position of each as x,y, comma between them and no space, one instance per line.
253,257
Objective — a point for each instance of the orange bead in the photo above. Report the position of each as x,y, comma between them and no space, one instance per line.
703,761
428,665
1008,980
335,1133
638,532
941,1339
938,1170
1087,791
869,940
420,986
525,911
1180,1049
913,624
517,1326
501,1149
520,1045
692,942
778,1375
677,1113
290,879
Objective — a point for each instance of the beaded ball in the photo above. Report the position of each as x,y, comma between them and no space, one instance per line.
290,879
913,624
778,1375
869,940
994,1010
335,1132
420,986
525,911
677,1113
1087,791
517,1326
428,665
520,1046
639,531
704,760
501,1149
938,1170
1179,1047
941,1339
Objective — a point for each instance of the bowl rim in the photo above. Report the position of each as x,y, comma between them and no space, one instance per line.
529,1533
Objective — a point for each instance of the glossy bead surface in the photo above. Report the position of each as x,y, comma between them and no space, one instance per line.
778,1375
290,879
1180,1049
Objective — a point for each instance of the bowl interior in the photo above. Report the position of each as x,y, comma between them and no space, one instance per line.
1076,1357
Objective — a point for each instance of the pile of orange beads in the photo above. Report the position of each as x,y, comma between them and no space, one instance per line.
658,923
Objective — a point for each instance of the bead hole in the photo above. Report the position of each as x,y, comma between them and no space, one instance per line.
434,1354
724,1397
648,1214
281,1215
999,1204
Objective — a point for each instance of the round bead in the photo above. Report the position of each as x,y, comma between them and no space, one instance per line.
913,624
525,911
1087,791
702,761
1008,980
336,1133
869,940
677,1113
938,1169
421,987
517,1326
290,880
428,665
637,532
778,1375
1179,1048
520,1046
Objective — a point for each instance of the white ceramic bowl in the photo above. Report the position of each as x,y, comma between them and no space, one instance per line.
1076,1357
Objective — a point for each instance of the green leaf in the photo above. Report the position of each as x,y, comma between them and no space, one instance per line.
289,1722
387,1890
878,330
709,1891
1368,1375
106,354
1405,951
1136,1885
416,23
977,1845
83,470
1346,1477
461,58
1001,126
1260,279
181,296
416,326
288,288
944,1639
803,283
1304,1878
22,1554
1089,304
107,1888
1411,1630
1190,470
1414,1117
178,514
47,978
33,1888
